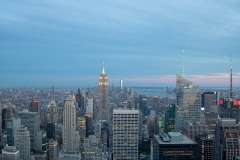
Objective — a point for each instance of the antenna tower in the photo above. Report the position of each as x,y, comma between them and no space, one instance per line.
231,89
183,63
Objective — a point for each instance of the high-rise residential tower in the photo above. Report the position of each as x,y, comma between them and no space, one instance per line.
53,115
103,113
71,138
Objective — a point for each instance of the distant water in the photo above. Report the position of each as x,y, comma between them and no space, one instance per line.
154,91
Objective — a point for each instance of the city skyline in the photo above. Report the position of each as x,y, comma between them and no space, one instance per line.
64,43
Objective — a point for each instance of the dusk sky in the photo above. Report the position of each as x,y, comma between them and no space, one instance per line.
63,43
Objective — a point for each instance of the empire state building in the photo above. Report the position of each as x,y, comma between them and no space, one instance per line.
103,110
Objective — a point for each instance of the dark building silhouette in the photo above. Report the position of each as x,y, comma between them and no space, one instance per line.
208,99
51,130
204,146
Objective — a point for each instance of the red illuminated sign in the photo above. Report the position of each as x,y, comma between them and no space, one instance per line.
221,102
236,103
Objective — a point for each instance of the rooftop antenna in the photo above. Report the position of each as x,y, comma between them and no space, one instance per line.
231,89
183,63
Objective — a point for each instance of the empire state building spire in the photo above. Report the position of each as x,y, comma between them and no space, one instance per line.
103,70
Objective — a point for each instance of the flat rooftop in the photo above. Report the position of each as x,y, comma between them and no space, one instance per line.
186,140
125,111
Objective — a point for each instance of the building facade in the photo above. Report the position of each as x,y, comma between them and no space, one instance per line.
53,113
174,146
125,134
71,138
22,142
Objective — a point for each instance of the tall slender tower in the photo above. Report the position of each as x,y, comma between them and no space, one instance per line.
103,113
71,138
231,89
53,115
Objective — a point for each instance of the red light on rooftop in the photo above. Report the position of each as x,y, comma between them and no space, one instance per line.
236,103
221,102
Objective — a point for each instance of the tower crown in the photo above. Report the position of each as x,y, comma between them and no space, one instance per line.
103,69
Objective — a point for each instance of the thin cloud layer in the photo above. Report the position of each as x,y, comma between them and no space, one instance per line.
135,39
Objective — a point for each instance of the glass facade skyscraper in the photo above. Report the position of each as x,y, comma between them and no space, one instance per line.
188,102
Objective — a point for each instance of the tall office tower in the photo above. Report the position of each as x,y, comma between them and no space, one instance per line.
81,102
144,107
4,110
41,141
12,126
34,105
52,130
175,146
53,149
125,134
211,119
188,101
209,99
156,103
97,129
226,142
89,105
103,113
71,137
10,153
52,89
170,118
81,127
22,142
9,113
205,146
89,124
31,120
121,85
53,113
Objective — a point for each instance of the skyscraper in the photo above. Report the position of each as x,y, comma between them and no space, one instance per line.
188,102
70,136
34,105
103,113
121,85
31,120
12,126
53,115
125,134
22,142
209,99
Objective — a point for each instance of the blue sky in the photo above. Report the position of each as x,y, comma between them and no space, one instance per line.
63,43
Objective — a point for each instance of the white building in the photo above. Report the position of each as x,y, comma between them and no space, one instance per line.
71,138
10,153
22,143
125,134
69,155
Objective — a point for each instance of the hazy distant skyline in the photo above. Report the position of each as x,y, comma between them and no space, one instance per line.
63,43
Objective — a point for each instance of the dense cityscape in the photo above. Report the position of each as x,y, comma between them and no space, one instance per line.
119,80
116,122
